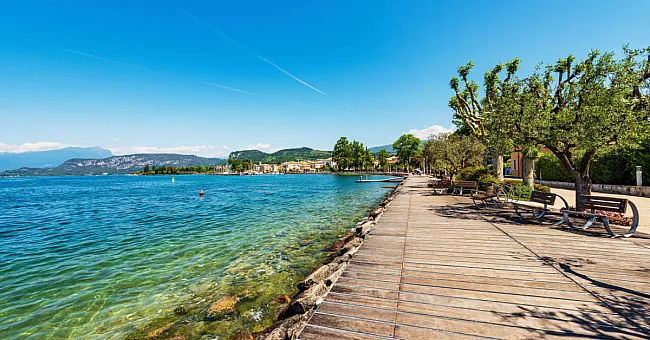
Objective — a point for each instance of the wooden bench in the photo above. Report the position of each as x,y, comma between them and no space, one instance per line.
546,199
489,197
604,204
442,186
461,186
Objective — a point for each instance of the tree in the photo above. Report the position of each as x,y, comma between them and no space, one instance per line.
146,169
406,146
358,155
342,154
383,159
452,152
477,116
584,107
502,98
368,160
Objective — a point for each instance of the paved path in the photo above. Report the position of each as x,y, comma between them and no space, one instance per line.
434,268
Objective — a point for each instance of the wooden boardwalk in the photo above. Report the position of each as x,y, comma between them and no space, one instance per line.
435,268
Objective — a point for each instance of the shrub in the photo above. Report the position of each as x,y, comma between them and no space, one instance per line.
487,180
523,189
549,168
615,165
472,173
542,188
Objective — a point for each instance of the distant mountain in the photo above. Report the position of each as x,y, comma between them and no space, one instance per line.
376,149
115,165
285,155
388,147
48,159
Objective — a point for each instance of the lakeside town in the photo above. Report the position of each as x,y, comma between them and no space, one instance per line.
296,167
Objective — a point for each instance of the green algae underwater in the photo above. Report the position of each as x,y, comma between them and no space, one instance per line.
126,257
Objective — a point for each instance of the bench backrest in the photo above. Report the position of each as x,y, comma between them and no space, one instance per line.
543,197
445,183
466,184
604,203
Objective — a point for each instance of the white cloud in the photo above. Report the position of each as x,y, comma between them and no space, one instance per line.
259,146
117,139
427,132
26,147
225,147
199,150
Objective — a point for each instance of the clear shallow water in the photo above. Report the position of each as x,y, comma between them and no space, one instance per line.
108,257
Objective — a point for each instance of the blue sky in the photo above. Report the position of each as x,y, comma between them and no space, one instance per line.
140,76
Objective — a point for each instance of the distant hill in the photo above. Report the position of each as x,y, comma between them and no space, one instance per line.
285,155
48,159
388,147
376,149
115,165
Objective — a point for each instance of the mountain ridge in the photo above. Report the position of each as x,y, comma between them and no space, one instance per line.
49,158
284,155
115,165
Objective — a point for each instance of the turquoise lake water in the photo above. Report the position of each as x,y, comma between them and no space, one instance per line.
108,257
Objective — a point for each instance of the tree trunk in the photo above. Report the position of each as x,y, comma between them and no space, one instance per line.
583,187
528,175
498,166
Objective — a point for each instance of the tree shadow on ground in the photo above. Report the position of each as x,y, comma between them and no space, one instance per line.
630,306
625,297
579,323
507,215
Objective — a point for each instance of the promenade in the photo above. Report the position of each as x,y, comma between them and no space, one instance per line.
436,268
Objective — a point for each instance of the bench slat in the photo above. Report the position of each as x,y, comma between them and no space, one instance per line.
604,203
543,197
466,184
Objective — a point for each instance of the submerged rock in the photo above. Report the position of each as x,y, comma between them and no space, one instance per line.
156,332
242,335
180,311
224,305
282,299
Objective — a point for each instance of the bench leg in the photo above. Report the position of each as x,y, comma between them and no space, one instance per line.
482,205
606,224
567,220
521,218
635,220
589,222
539,216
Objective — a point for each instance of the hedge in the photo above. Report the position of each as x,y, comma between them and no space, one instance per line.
613,166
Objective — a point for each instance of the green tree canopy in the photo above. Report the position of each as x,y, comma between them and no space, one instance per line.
452,152
481,116
342,154
585,106
406,147
383,159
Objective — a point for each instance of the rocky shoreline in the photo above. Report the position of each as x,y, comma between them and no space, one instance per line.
292,313
316,285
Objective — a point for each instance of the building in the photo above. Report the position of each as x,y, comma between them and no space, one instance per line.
291,166
517,162
266,168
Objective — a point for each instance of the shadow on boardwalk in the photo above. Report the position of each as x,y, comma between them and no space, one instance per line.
617,294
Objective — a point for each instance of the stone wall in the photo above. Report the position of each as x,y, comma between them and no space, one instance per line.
643,191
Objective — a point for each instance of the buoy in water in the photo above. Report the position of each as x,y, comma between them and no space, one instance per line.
201,193
172,179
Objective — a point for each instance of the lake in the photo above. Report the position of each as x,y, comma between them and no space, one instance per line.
108,257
